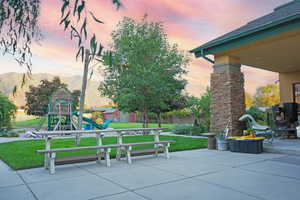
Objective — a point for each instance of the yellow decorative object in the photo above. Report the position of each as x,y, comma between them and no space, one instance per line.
246,138
99,121
98,117
97,114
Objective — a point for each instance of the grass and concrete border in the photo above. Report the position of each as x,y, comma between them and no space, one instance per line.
22,154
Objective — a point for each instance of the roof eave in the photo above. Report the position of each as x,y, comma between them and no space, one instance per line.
207,49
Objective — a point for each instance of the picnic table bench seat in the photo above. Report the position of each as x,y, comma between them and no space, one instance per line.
93,157
102,151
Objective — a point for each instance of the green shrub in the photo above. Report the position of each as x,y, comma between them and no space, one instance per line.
189,129
7,112
182,129
258,115
8,133
203,127
177,113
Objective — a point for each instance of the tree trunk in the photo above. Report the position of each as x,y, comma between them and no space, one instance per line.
196,122
158,119
82,94
144,119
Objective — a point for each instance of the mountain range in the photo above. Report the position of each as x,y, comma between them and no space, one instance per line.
9,80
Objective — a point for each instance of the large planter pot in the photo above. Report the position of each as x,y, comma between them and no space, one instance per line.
222,145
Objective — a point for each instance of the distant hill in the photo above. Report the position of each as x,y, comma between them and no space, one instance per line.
9,80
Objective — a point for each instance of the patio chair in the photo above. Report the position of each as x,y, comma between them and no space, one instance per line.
257,128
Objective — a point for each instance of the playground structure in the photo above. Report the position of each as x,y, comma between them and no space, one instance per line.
93,122
61,115
60,112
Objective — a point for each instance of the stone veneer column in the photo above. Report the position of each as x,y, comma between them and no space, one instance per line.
228,96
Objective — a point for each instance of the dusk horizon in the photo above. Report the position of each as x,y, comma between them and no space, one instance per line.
187,24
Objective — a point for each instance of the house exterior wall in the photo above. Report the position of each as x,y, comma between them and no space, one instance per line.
113,116
286,81
118,116
132,117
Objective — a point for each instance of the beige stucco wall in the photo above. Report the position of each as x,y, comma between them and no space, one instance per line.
286,85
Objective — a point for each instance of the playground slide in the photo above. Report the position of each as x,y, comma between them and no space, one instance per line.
92,122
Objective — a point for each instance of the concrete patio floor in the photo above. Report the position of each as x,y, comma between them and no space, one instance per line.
285,146
188,175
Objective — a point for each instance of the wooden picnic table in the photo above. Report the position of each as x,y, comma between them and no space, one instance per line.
47,135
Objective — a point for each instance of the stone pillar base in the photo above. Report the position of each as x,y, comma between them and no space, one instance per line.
228,98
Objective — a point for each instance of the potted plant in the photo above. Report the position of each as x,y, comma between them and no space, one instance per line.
222,142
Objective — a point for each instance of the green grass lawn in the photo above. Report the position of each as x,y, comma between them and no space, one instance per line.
34,123
22,154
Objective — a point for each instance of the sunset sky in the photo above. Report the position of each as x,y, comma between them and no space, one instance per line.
189,23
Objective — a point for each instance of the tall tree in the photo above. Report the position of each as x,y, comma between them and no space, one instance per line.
37,98
267,96
143,71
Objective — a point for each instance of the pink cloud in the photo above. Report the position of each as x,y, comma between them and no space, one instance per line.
188,23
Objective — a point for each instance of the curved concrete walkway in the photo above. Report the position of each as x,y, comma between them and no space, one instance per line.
188,175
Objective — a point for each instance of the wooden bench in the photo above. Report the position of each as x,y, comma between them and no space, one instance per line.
139,152
102,151
129,150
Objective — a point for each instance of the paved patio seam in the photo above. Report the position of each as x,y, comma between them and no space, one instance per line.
173,181
233,189
108,195
27,186
164,170
99,176
272,174
250,163
179,174
128,190
54,179
9,186
147,198
132,190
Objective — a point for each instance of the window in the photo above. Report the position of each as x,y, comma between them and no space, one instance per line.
296,91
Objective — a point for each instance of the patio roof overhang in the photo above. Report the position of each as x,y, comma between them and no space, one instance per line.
271,42
279,53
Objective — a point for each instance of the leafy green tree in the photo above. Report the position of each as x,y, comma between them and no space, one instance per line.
143,71
37,98
7,112
200,108
76,95
248,100
178,102
266,96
